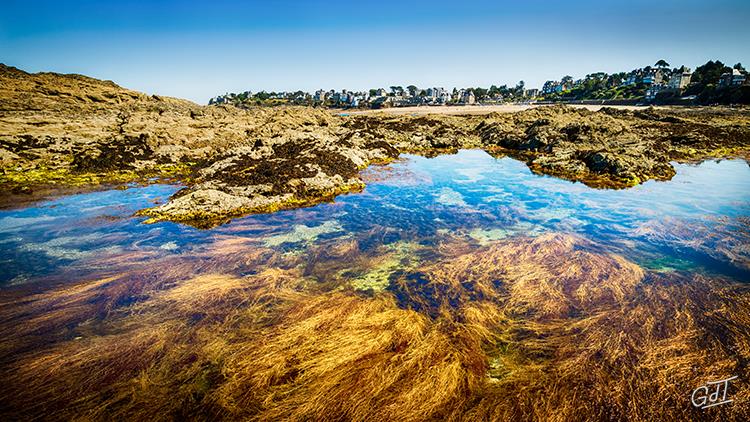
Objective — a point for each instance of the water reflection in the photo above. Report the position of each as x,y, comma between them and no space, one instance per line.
698,221
460,286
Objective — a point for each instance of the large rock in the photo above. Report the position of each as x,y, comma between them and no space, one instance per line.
236,161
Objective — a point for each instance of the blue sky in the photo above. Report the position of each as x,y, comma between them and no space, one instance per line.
197,50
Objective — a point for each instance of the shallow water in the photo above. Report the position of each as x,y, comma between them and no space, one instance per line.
696,222
462,285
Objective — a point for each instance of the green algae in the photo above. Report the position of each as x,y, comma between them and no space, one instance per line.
63,176
169,246
667,265
399,256
301,233
18,178
377,279
485,237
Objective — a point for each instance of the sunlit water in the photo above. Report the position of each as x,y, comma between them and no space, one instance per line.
697,222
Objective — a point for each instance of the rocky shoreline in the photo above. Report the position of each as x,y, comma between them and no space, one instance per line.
63,131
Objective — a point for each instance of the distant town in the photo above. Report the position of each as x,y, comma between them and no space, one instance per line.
711,83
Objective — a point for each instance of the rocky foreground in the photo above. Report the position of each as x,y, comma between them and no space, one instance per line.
62,131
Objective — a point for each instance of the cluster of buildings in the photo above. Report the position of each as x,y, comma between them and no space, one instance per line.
552,87
679,80
655,81
395,98
345,98
676,82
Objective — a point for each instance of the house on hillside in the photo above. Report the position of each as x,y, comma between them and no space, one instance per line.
680,80
468,97
444,97
654,77
733,78
549,87
632,78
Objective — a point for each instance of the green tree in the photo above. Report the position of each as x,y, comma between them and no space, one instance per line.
661,64
412,90
710,72
519,88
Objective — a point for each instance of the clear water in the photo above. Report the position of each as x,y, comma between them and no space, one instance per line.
698,221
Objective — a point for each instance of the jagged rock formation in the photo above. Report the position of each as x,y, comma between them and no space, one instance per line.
65,130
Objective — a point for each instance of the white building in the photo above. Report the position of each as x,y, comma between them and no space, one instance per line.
320,96
468,97
733,78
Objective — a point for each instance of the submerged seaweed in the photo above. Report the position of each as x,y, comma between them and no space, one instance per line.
536,299
545,328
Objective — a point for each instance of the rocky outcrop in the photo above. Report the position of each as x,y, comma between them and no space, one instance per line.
64,130
262,178
593,147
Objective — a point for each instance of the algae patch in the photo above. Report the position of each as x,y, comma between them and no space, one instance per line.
484,237
19,180
303,234
399,256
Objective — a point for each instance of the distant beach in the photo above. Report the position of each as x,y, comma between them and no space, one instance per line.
477,109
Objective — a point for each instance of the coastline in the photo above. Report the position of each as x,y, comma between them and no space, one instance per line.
65,131
483,109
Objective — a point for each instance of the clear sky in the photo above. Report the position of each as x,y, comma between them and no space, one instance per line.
197,50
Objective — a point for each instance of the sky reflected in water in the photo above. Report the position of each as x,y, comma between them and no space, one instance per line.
698,221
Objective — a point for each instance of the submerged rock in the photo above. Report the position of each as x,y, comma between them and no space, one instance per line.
303,234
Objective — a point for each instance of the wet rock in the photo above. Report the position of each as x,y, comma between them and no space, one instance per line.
8,158
22,190
116,153
610,148
199,205
236,160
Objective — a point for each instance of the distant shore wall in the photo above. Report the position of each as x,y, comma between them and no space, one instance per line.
623,102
